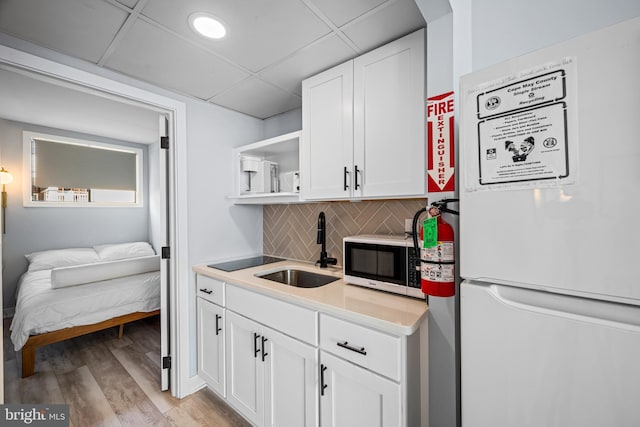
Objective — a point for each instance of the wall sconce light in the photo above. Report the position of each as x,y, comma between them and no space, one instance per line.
5,178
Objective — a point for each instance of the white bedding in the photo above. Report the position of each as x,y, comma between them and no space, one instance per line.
40,308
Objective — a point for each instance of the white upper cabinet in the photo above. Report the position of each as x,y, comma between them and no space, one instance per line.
363,124
389,119
327,134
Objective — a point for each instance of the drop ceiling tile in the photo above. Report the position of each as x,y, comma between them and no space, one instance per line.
153,55
289,73
257,98
129,3
397,19
259,31
83,29
340,11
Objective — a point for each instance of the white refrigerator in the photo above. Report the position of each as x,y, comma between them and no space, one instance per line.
550,236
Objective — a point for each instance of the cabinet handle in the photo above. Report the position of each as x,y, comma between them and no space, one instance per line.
349,347
256,350
206,291
264,354
218,328
322,384
356,175
346,173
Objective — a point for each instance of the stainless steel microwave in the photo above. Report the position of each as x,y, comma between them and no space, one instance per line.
382,262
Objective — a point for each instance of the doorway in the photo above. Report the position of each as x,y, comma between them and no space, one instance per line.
164,211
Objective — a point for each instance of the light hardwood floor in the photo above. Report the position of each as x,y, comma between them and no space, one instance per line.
111,382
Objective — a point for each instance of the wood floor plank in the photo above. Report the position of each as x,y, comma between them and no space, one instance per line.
42,387
59,357
123,342
88,405
127,399
110,382
204,408
144,337
147,376
155,358
11,382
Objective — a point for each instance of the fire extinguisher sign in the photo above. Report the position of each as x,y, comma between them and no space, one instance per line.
440,140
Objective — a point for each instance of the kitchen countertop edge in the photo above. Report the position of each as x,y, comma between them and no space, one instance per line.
331,298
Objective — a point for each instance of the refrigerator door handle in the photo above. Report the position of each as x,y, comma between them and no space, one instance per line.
617,315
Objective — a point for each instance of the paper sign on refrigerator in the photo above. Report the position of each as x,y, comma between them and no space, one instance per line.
524,136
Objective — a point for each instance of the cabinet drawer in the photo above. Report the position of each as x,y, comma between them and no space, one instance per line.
210,289
293,320
366,347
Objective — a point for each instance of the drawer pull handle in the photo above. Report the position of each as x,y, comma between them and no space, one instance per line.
206,291
256,350
322,384
346,345
218,328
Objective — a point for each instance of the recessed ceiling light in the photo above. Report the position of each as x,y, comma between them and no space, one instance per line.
207,25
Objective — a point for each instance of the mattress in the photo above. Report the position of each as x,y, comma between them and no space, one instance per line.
40,309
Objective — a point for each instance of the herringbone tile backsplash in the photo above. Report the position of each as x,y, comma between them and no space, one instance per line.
290,231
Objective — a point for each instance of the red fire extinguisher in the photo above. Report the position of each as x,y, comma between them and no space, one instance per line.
437,262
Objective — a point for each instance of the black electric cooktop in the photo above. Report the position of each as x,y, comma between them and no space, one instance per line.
239,264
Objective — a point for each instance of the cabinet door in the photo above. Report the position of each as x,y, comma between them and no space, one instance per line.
354,396
211,345
291,370
389,119
245,384
326,153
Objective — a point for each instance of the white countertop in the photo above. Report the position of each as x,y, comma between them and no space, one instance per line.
384,311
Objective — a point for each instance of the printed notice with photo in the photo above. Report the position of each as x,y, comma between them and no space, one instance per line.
524,128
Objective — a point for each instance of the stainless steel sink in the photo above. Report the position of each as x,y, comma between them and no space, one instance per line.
299,278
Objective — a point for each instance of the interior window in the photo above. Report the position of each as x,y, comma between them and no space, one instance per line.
72,172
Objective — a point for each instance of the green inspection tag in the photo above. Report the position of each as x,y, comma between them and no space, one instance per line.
430,227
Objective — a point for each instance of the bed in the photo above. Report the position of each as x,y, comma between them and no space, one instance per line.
66,293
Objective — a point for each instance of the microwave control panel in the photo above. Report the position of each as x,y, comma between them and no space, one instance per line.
413,275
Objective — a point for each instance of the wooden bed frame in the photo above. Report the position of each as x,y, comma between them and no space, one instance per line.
35,341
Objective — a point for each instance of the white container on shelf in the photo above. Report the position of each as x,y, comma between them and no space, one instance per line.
290,182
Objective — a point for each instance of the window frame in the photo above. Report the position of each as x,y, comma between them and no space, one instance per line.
29,136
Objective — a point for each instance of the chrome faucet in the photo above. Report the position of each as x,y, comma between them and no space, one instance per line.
322,240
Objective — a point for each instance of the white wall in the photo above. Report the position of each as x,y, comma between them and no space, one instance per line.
218,229
290,121
443,320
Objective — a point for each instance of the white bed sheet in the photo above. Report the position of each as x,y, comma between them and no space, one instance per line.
41,309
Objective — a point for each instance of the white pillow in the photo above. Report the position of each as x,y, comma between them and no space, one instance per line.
80,274
46,260
123,250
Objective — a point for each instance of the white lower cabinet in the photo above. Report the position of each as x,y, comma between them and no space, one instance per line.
245,387
368,377
353,396
271,377
291,378
281,364
211,355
